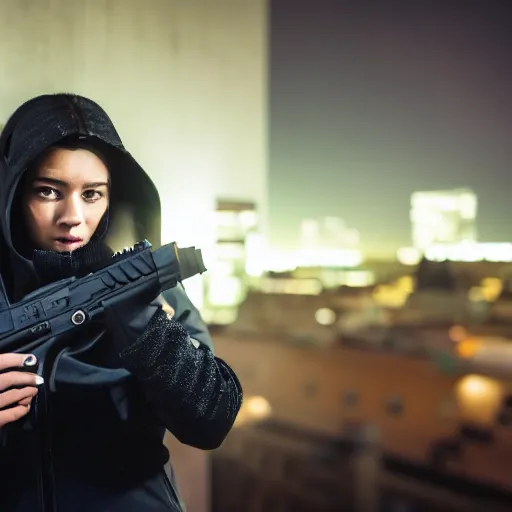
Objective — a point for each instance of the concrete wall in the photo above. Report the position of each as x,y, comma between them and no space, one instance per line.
184,81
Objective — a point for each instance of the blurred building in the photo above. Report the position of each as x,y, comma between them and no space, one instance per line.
437,300
237,256
444,430
443,217
334,276
471,252
327,233
444,228
185,83
328,242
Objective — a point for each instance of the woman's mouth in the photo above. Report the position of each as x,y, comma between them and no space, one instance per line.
69,242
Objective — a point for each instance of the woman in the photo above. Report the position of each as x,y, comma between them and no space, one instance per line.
116,386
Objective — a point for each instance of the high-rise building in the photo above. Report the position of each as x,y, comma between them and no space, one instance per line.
236,256
328,242
327,233
443,217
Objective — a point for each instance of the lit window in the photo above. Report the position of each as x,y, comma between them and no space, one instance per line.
325,316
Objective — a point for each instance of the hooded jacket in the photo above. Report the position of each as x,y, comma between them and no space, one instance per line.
115,390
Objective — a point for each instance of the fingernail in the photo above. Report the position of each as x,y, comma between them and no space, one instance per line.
39,380
30,361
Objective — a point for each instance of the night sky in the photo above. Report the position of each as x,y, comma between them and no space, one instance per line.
372,100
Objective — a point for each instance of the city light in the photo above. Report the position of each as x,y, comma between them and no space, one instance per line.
445,216
466,349
408,256
468,251
328,242
254,409
325,316
478,398
290,286
444,229
394,295
329,258
255,254
457,333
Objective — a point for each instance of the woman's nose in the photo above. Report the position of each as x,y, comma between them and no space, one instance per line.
72,211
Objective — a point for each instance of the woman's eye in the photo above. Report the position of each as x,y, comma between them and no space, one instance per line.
47,192
92,195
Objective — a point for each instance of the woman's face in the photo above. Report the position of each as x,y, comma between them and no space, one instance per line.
64,199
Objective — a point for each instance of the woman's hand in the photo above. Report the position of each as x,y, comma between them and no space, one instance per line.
128,315
15,403
167,309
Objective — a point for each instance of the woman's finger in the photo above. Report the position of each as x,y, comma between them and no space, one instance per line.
19,379
16,361
26,401
13,414
22,396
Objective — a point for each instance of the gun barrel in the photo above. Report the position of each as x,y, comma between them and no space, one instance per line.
191,262
177,264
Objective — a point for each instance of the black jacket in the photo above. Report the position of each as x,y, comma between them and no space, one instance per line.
115,390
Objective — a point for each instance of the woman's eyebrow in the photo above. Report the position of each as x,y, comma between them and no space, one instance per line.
62,183
95,184
54,181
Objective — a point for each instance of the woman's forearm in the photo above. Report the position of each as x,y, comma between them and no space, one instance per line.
197,395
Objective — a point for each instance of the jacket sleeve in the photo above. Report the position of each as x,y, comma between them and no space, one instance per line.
187,315
196,394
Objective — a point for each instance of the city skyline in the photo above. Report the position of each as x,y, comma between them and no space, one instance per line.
371,103
392,251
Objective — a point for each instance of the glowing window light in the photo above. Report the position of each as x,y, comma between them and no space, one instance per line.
408,256
457,333
359,278
476,294
491,288
255,250
254,409
226,218
479,398
325,316
248,219
230,251
222,268
225,291
258,406
470,252
329,258
467,348
291,286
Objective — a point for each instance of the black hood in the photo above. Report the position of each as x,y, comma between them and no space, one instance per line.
54,119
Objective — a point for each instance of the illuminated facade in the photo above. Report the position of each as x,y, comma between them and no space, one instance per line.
328,242
443,217
470,251
443,228
237,255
